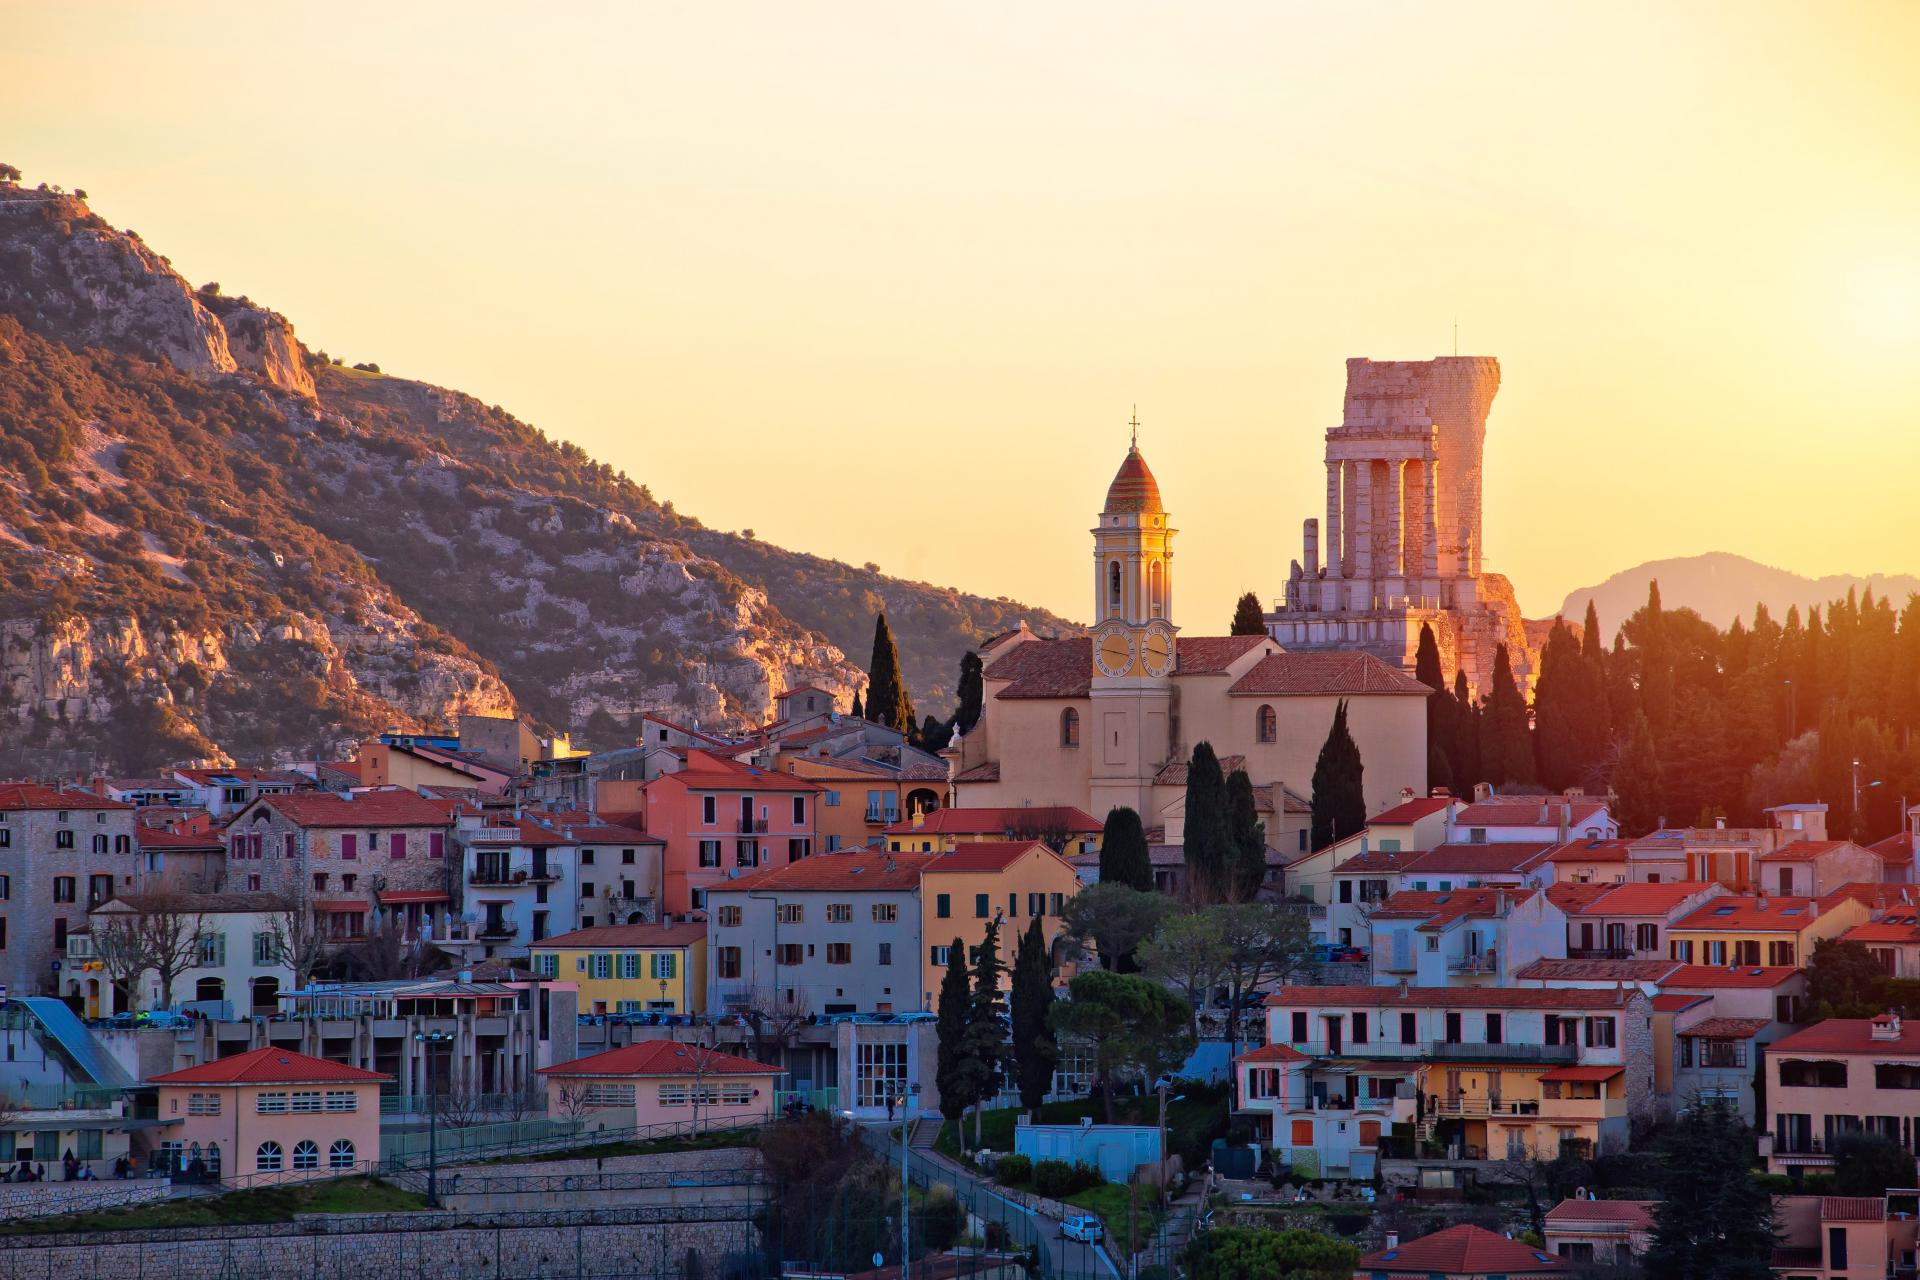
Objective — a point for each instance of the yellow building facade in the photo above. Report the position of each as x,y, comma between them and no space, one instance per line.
1731,930
630,968
963,891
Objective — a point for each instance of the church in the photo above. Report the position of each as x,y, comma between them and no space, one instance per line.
1110,718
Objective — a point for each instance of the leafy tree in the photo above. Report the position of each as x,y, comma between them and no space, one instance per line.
955,1075
1129,1025
985,1045
1247,840
1114,919
1124,855
1843,981
1255,1253
1034,1049
9,175
1716,1221
887,700
1339,796
1866,1164
1506,741
1189,954
972,693
1208,839
1266,943
1247,617
1637,780
1570,728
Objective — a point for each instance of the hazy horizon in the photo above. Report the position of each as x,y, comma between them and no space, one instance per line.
769,261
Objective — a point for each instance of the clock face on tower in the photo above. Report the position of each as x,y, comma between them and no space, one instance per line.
1156,651
1113,652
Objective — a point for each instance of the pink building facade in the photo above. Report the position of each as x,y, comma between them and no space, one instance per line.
720,819
663,1086
270,1115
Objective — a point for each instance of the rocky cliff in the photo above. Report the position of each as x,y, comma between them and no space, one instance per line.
215,543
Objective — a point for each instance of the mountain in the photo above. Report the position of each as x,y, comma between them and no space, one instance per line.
215,542
1721,587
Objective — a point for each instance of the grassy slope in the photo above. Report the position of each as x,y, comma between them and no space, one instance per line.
265,1204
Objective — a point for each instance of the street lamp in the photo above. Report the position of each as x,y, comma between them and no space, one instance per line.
906,1126
427,1039
1178,1097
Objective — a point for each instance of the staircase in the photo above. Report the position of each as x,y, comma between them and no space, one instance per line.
926,1131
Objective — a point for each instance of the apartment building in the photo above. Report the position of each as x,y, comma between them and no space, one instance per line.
630,968
1465,937
719,820
1735,929
62,853
1841,1076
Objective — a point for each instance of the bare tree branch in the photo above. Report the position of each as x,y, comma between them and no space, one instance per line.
169,931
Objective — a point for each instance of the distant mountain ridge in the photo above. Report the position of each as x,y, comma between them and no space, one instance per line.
1721,586
216,542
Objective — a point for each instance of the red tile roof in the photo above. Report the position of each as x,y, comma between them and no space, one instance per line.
1408,811
1329,674
1525,811
1582,1075
1753,914
1879,896
986,771
1713,977
160,838
1174,772
628,935
995,855
1273,1053
1046,669
1805,850
385,808
1464,1250
1675,1001
1853,1209
528,833
1213,655
1439,910
270,1066
864,872
1449,997
1591,851
1000,820
606,833
1480,859
1574,898
1384,860
1555,969
1894,928
706,772
19,796
1849,1035
662,1058
1636,1215
1647,899
1895,848
1728,1028
1134,491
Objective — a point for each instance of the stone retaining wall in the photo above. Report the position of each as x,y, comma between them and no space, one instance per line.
44,1199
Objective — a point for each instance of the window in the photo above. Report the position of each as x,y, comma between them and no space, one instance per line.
879,1073
833,844
790,913
942,906
1836,1248
709,853
885,913
436,848
788,953
1408,1028
798,848
1036,904
839,953
600,965
266,949
1299,1027
729,962
349,845
1680,949
886,953
213,950
547,965
1495,1029
831,799
1780,953
1453,1028
6,838
663,964
1070,728
341,1154
1600,1033
709,810
397,846
203,1104
586,857
100,844
980,906
610,1095
839,913
1113,587
727,917
63,888
306,1155
1268,725
1646,937
799,811
63,839
939,957
1013,906
627,965
1359,1034
734,1093
1801,1073
1056,904
267,1158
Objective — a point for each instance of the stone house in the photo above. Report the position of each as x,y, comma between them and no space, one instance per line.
62,852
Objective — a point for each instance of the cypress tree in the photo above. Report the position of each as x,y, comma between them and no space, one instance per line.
1247,836
887,700
972,693
1506,742
1466,737
933,734
1208,843
986,1034
1247,617
1427,670
953,1075
859,712
1124,856
1035,1051
1339,798
1637,780
1562,711
1593,653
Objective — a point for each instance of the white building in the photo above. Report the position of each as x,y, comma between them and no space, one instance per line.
238,951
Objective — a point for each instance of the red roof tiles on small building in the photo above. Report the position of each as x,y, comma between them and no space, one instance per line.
1000,819
270,1066
18,796
1727,1028
1711,977
1330,674
1409,811
1635,1215
1480,859
1556,969
1465,1250
661,1058
1753,914
384,808
1851,1035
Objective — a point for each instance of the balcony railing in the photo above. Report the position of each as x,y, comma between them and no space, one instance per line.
1484,963
888,816
492,930
1446,1050
751,826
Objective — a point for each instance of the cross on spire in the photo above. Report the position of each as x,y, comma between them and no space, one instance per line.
1134,422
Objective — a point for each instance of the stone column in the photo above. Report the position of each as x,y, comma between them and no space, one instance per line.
1431,569
1310,546
1394,498
1360,533
1336,550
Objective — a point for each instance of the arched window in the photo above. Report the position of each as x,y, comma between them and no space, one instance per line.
1269,724
340,1155
266,1159
210,989
1069,728
306,1155
1156,590
1113,587
213,1159
99,844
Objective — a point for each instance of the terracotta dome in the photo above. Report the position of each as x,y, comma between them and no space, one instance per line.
1133,490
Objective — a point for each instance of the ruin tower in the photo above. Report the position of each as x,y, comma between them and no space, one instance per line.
1402,544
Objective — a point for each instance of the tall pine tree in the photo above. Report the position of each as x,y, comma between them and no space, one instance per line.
986,1034
1247,837
1506,743
1247,618
954,1072
1208,842
1124,856
1035,1050
1570,734
887,700
1339,796
1715,1221
972,693
1637,781
859,711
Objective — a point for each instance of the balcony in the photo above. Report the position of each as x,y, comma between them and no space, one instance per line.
498,877
1482,965
498,929
1447,1051
887,816
751,826
1482,1108
1583,1108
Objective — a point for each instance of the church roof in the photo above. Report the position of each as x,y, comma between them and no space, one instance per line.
1134,489
1331,672
1064,668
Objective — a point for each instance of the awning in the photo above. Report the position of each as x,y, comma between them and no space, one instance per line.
1583,1075
342,904
394,897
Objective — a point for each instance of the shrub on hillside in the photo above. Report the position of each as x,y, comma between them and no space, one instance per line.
1056,1179
1013,1170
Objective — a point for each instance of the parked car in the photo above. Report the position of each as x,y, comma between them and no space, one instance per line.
1083,1226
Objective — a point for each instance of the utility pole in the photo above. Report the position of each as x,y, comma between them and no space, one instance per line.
426,1040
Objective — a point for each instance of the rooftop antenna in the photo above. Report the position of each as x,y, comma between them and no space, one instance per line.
1134,422
1456,335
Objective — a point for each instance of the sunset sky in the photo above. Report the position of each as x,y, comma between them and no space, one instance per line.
884,281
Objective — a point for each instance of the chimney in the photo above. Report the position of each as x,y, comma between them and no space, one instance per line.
1403,988
1393,1239
1406,794
1720,823
1481,791
1761,902
1886,1027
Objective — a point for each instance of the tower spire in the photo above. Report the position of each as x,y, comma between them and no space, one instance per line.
1134,422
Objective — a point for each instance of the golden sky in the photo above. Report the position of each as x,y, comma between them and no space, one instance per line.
883,281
